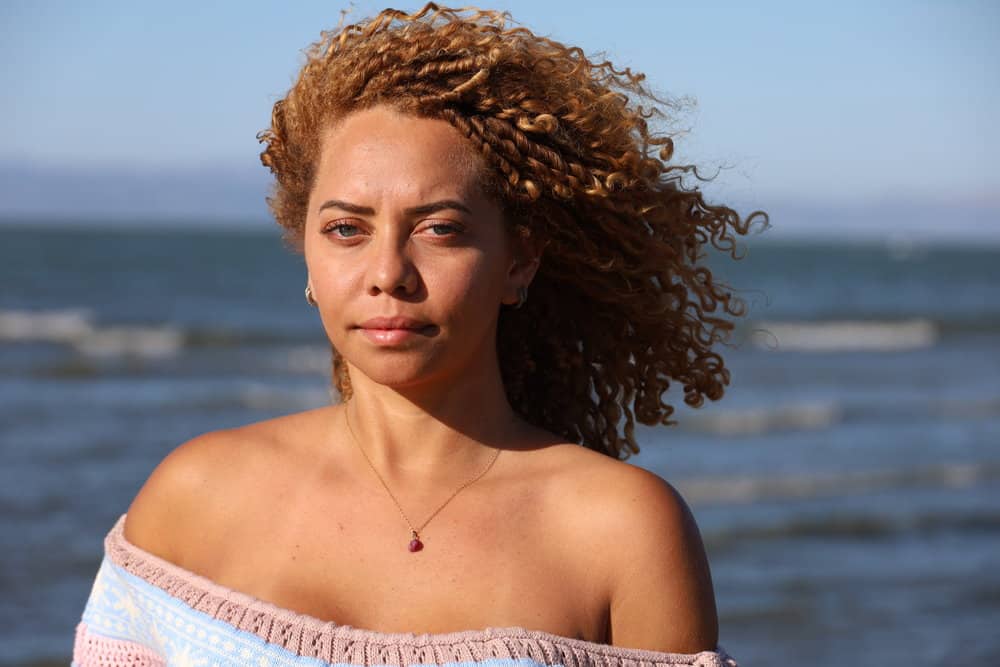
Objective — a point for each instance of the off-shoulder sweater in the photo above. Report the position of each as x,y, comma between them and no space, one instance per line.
146,611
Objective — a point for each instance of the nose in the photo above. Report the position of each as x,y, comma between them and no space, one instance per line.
390,268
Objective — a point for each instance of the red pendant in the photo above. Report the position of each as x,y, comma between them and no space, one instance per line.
416,544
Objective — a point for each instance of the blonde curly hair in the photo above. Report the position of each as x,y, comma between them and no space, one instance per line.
623,302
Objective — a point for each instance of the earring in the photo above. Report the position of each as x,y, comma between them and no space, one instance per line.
522,296
309,296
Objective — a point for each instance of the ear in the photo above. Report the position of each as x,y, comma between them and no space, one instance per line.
526,251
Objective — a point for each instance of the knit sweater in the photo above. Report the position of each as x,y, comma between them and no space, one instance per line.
146,611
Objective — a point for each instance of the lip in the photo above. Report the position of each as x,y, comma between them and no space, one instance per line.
390,331
393,323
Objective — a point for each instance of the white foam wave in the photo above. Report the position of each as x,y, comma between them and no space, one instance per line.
754,421
132,342
307,359
747,489
57,326
261,397
76,327
846,336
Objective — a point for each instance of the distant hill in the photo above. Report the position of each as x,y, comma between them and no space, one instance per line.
888,218
224,196
122,194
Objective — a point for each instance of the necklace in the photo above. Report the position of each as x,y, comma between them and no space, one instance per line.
415,542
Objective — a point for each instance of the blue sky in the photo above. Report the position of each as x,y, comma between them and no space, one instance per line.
832,104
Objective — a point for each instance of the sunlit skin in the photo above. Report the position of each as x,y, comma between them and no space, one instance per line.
397,226
556,537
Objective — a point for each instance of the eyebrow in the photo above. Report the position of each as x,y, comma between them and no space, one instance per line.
423,209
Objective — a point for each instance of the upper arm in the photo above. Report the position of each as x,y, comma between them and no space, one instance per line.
177,490
661,595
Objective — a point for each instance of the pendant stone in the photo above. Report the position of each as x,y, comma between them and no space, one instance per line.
415,543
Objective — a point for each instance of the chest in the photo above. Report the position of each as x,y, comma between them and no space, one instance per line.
486,562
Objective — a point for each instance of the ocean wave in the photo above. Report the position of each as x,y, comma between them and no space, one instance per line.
201,337
76,327
266,398
846,335
747,489
758,420
305,359
905,410
858,526
820,415
55,326
132,342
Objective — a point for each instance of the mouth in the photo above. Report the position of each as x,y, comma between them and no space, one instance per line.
388,336
389,331
392,323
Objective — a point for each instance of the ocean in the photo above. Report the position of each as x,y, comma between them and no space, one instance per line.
846,485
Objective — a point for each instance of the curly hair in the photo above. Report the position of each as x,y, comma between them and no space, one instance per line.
623,302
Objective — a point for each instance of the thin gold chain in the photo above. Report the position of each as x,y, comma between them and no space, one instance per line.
415,531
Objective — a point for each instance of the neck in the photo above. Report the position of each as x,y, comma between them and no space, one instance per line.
431,435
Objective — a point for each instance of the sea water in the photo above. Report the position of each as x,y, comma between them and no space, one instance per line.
847,486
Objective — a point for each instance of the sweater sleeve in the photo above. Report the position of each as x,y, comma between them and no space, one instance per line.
115,629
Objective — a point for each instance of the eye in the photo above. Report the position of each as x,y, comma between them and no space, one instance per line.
342,230
444,229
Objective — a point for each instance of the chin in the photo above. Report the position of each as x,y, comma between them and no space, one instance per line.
408,367
396,370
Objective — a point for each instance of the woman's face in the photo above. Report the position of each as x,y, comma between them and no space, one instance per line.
398,227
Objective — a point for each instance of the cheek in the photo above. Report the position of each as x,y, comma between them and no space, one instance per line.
334,276
333,285
469,290
468,304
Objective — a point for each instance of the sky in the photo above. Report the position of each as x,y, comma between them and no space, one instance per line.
152,109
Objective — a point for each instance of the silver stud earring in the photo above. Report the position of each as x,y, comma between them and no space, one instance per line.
309,296
522,296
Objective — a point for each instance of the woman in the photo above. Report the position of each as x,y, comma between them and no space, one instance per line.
504,274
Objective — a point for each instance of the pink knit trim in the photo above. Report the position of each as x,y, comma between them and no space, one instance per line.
94,650
333,643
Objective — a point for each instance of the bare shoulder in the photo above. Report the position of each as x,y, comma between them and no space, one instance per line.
657,573
201,479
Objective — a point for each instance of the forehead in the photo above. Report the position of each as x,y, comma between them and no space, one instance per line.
383,146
